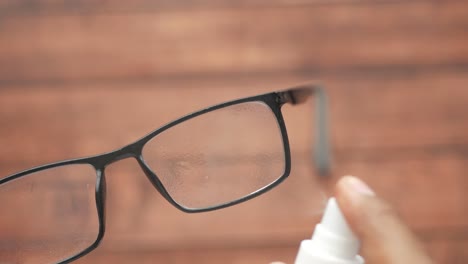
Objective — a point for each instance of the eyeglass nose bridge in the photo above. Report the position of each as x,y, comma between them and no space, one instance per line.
135,151
130,151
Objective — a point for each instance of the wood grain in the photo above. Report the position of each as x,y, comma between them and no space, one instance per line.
442,250
318,39
83,7
83,78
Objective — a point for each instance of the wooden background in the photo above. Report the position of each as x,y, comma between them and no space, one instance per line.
83,77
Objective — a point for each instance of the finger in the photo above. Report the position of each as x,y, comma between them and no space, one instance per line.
385,237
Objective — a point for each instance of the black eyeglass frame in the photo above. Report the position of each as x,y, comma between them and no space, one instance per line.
275,100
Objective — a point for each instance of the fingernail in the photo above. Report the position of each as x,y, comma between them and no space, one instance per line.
357,185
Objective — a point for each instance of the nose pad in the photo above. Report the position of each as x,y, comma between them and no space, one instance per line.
153,178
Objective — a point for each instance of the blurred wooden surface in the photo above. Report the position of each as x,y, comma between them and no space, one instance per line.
84,77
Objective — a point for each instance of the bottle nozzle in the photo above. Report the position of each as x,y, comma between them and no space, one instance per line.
332,240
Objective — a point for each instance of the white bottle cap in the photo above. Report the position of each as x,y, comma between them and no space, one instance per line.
333,242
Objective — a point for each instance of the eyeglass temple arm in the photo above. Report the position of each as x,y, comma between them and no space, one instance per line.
321,150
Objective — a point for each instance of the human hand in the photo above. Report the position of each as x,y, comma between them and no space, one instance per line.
385,238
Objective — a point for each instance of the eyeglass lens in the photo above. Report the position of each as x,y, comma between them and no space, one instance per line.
49,215
220,156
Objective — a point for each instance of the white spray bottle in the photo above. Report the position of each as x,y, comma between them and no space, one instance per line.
333,242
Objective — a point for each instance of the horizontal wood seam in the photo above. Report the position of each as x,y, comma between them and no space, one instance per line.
383,72
20,9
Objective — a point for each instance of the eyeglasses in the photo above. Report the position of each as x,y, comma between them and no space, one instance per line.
210,159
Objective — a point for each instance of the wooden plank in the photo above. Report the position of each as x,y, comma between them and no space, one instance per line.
367,116
53,7
232,256
443,251
316,39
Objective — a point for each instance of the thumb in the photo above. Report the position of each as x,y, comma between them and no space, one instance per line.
385,238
